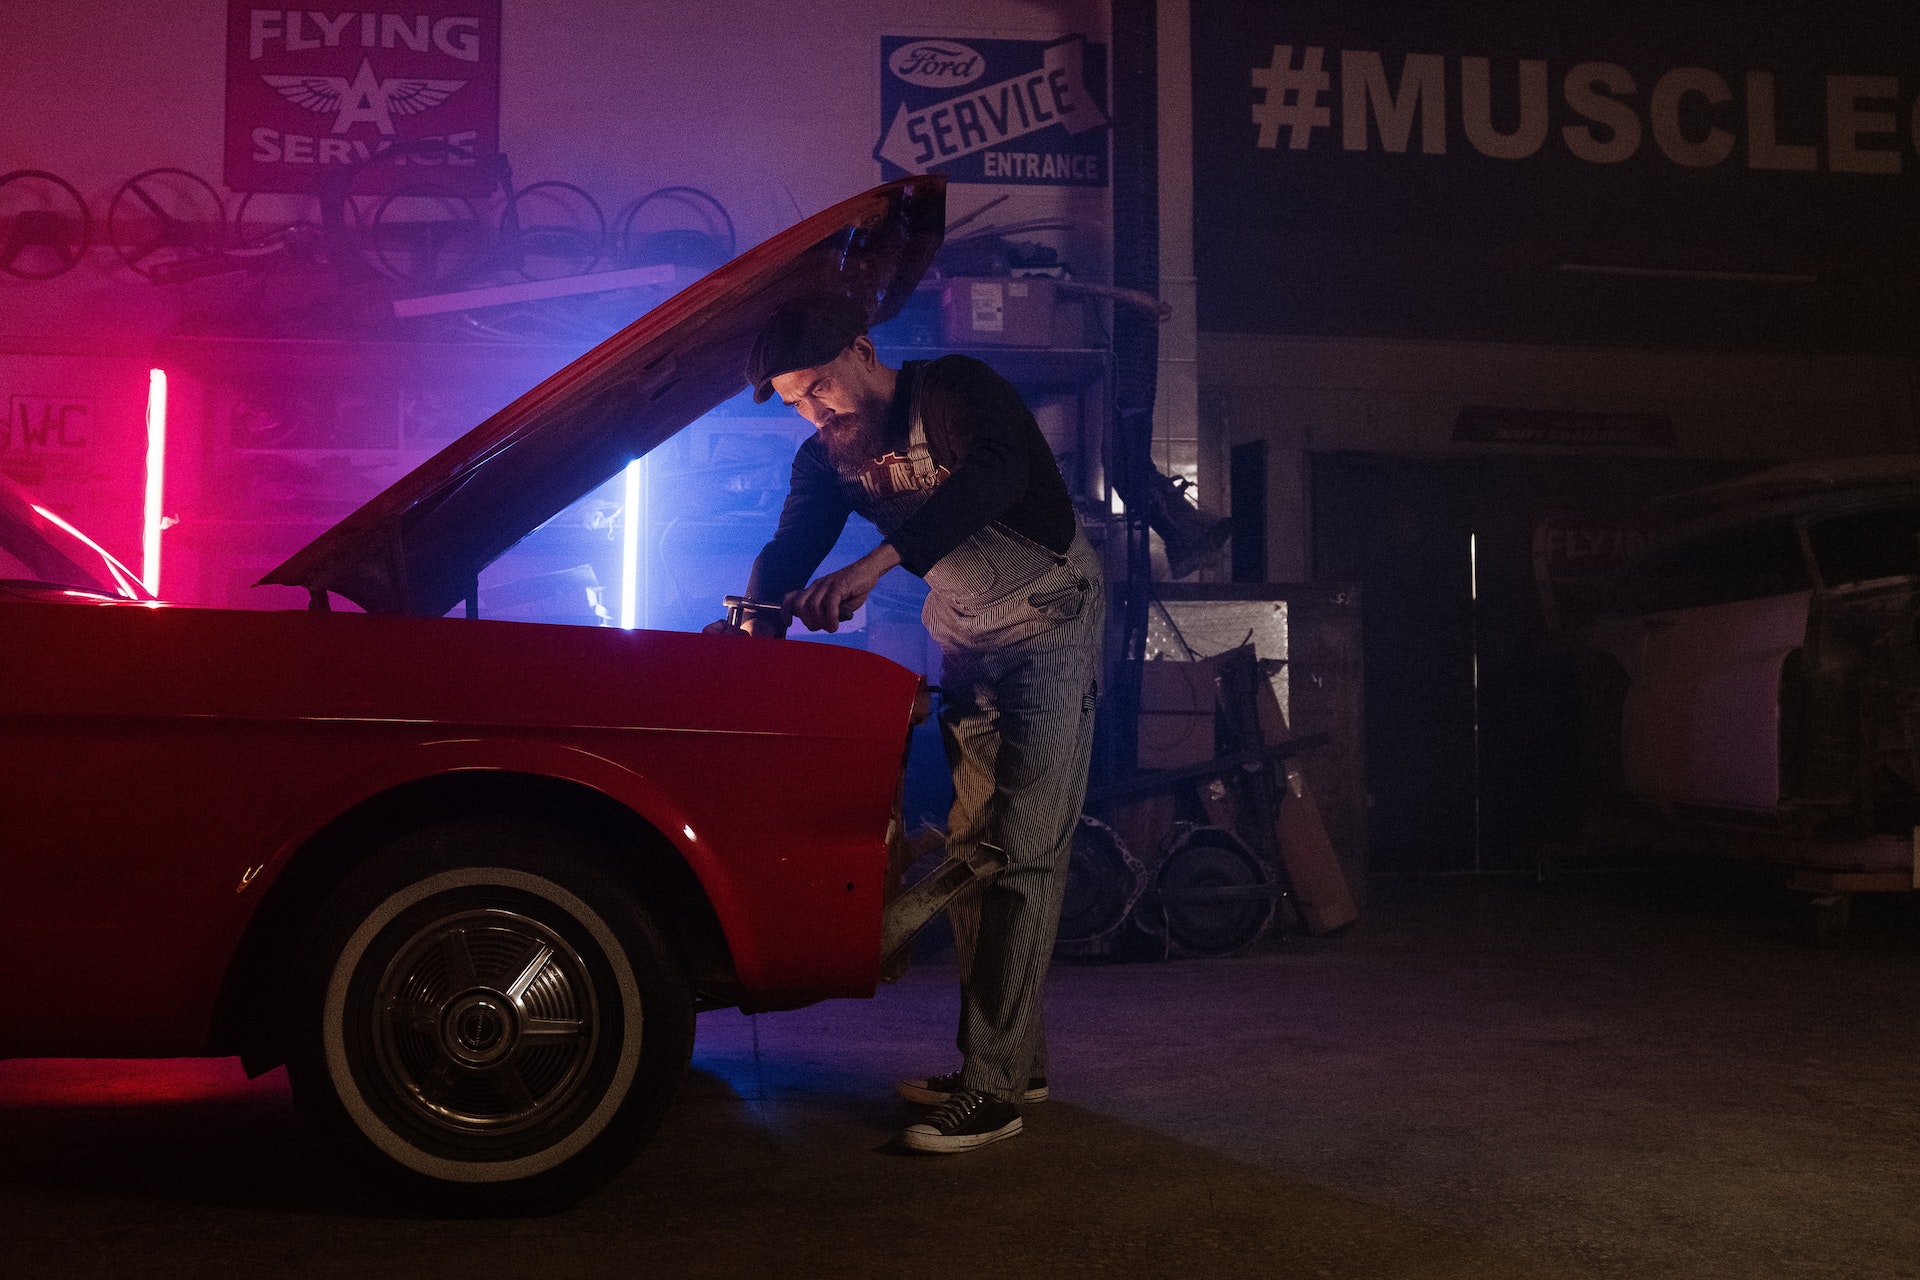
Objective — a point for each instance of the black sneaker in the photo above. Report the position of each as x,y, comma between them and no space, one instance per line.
931,1091
964,1121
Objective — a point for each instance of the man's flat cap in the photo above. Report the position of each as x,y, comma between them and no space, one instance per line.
801,334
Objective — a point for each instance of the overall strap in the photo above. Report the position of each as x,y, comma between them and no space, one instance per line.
918,451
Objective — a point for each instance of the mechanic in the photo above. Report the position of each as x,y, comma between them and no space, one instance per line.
948,462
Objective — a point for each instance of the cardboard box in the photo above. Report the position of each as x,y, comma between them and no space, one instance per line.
1176,714
992,312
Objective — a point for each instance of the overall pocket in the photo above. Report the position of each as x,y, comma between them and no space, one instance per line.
1061,603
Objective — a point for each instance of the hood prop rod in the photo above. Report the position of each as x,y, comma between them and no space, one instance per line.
913,910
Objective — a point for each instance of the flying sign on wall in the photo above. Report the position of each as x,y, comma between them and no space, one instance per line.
311,91
1017,112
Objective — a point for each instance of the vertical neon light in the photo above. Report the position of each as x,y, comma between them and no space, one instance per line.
156,479
630,549
1473,588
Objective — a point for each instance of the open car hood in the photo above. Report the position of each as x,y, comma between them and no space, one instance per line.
1804,482
419,546
40,550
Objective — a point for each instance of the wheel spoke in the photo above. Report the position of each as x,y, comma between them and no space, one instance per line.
513,1090
439,1080
518,987
414,1015
153,206
552,1029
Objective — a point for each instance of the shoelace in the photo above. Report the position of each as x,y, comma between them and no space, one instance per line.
953,1113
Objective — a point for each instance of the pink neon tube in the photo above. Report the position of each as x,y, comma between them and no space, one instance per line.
156,479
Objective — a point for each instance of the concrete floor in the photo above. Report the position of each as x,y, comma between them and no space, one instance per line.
1482,1080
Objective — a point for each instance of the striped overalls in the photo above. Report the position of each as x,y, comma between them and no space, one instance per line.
1019,628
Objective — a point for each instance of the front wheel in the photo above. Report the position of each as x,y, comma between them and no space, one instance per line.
490,1018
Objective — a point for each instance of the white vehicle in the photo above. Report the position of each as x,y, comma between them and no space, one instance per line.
1765,666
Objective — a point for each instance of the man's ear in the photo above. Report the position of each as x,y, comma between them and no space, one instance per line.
862,348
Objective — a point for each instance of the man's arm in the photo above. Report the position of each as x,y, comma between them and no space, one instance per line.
810,523
830,601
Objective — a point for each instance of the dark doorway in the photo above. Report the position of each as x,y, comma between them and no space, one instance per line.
1475,575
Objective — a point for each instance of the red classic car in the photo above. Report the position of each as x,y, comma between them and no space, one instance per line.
469,879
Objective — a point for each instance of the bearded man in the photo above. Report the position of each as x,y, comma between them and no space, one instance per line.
947,461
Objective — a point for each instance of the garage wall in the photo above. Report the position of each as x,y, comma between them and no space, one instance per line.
1320,395
773,107
1371,260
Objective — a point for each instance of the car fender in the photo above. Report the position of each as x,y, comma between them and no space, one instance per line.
436,758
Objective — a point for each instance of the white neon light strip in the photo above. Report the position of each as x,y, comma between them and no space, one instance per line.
630,549
533,291
156,479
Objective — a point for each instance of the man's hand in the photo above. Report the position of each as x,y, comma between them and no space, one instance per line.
751,628
827,602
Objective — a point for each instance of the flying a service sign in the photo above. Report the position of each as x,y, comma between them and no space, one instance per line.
313,91
1015,112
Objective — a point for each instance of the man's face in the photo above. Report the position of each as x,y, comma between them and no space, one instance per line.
844,400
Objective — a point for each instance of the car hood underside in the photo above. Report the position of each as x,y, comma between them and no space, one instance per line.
418,547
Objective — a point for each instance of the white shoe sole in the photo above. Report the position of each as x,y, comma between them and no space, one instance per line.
921,1138
915,1092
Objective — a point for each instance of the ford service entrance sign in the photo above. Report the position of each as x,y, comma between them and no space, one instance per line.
1017,112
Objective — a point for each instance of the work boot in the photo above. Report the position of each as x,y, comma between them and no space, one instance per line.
931,1091
965,1121
1193,538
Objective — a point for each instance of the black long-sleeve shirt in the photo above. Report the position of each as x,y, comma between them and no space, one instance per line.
979,429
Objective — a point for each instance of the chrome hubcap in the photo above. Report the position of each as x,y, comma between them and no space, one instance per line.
478,1029
485,1022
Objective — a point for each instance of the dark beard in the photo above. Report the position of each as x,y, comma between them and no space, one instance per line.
854,439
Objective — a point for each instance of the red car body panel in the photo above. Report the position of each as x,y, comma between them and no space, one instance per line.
165,763
162,767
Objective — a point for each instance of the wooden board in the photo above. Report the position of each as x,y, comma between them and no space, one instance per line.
1320,890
